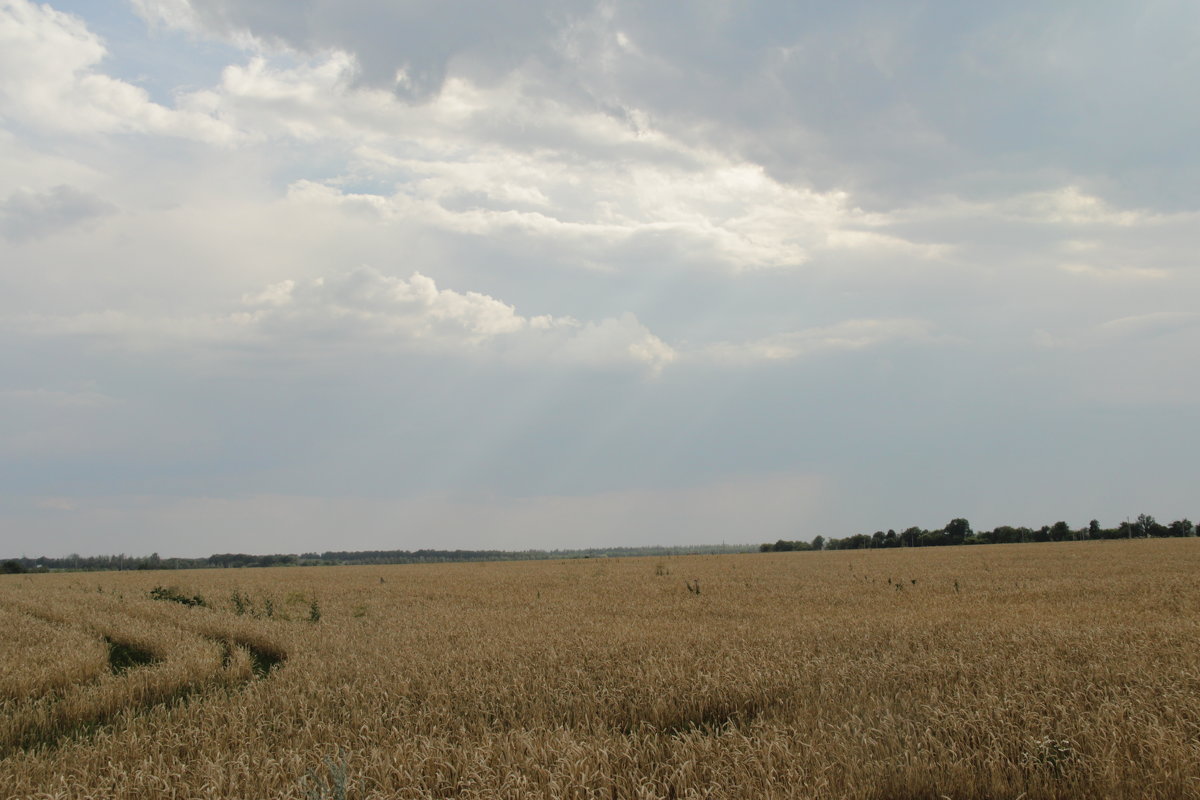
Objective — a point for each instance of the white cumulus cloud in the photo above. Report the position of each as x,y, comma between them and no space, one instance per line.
50,78
413,313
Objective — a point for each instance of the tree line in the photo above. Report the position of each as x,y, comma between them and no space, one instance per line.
78,563
958,531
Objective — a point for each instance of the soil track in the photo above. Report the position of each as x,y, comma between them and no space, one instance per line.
140,675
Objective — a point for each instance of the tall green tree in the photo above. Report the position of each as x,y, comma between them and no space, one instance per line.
1147,526
957,531
1182,527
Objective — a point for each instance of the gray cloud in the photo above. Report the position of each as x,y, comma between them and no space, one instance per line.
419,41
885,100
31,215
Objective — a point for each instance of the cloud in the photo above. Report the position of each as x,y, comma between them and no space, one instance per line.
368,302
1140,333
405,48
1159,323
889,102
1069,208
366,311
49,79
713,212
511,156
611,341
504,158
1123,274
1070,205
31,215
1141,361
413,313
55,504
854,334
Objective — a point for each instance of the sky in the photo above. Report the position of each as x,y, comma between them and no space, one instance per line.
367,274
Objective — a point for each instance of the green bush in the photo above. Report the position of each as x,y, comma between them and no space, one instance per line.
175,596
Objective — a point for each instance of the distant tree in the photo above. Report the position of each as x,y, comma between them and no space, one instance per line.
1093,530
932,539
818,543
784,546
1005,534
1182,527
957,530
1060,532
911,536
12,567
858,541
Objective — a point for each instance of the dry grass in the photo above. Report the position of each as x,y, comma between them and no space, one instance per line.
1042,671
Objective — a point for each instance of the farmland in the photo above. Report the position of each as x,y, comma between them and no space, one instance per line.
1046,670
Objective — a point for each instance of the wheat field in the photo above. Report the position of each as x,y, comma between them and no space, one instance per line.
1010,671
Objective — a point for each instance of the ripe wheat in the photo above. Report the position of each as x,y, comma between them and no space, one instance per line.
1043,671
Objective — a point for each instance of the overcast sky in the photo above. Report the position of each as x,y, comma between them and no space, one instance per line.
359,274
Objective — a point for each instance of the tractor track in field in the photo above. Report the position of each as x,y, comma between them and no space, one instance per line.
43,722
